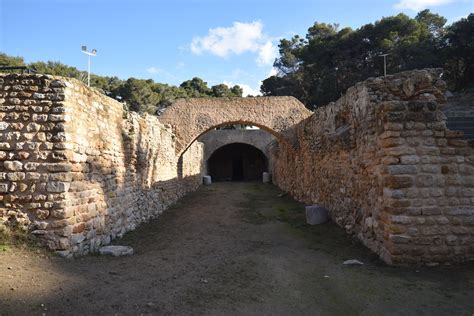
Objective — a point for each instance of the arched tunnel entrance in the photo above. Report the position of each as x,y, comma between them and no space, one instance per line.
237,162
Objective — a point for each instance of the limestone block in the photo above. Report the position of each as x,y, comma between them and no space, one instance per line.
16,176
207,180
77,239
116,251
58,187
266,177
3,187
13,165
38,96
402,169
316,214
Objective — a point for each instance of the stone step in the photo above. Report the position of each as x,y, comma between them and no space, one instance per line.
460,118
463,126
461,122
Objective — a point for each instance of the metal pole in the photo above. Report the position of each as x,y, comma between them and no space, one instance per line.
89,71
384,63
89,54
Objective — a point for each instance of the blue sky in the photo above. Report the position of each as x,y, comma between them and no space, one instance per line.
231,41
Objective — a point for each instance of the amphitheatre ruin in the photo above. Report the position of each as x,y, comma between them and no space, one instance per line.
78,171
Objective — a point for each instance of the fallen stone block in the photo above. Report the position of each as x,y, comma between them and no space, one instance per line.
206,180
266,177
316,214
353,262
116,251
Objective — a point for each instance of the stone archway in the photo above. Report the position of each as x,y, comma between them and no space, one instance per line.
215,139
237,162
190,118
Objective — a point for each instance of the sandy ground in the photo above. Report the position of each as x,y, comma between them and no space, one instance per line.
231,249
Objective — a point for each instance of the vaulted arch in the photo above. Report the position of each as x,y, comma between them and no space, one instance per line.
190,118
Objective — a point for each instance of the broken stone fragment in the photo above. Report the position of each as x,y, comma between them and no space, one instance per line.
58,187
116,251
266,177
206,180
316,214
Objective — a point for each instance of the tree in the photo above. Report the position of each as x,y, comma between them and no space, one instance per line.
139,96
433,22
196,87
6,60
222,90
320,67
459,48
56,69
237,91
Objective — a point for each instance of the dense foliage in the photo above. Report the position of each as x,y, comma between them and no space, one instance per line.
317,69
137,94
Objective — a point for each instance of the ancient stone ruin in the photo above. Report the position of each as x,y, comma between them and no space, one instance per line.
78,170
223,148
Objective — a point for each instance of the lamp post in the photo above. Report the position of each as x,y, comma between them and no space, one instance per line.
93,52
384,63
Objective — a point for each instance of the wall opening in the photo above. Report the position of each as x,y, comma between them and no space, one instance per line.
237,162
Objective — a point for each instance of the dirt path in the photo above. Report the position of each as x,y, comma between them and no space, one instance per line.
231,248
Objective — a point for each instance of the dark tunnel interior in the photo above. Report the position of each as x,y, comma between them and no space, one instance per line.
237,162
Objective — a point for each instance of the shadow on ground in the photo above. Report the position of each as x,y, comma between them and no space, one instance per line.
231,248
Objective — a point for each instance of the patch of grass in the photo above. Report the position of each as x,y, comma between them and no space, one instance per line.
4,248
263,205
250,210
257,210
13,237
328,237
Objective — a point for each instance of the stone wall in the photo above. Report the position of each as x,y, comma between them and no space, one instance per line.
80,171
32,148
383,162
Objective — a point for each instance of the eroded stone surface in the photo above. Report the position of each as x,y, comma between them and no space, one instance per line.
190,118
116,251
316,214
384,163
79,171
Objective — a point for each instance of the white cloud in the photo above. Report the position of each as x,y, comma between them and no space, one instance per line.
236,39
267,54
273,72
160,72
236,73
417,5
154,70
247,90
223,41
451,21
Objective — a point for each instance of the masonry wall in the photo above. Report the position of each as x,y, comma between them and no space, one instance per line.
32,150
98,171
215,139
78,171
383,162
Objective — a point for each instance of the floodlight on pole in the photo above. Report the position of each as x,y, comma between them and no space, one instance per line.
384,63
93,52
